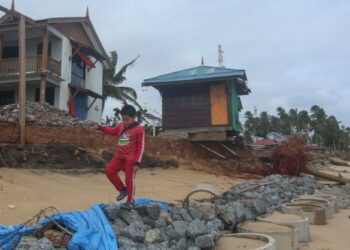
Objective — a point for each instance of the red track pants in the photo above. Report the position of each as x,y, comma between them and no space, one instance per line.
129,168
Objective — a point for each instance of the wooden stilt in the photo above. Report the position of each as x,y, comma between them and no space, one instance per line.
1,46
22,78
44,58
212,151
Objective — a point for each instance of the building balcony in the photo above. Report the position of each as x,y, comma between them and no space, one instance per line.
10,66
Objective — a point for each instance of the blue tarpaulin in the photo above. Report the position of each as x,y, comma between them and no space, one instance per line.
91,228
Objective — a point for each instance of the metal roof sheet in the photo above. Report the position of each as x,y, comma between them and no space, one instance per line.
194,74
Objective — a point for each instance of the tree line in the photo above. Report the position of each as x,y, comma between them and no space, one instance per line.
315,126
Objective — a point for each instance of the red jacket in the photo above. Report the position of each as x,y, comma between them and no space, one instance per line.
130,144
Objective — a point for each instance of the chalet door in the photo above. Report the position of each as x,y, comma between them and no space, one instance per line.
80,104
218,100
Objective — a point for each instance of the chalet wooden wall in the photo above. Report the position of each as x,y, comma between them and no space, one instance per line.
186,106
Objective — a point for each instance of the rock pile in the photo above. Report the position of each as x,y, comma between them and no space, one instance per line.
341,192
199,226
248,200
42,115
146,227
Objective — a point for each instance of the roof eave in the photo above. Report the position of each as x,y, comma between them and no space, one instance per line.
164,83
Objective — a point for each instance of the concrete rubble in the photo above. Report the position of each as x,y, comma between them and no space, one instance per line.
32,243
42,115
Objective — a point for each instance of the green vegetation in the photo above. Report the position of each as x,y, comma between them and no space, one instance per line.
315,126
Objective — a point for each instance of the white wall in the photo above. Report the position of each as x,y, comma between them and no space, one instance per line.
93,82
56,50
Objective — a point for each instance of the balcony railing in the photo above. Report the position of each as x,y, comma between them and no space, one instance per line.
33,64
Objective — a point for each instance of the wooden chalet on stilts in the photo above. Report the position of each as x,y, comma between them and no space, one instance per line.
201,103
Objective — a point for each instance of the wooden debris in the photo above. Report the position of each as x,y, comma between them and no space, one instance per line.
318,173
212,151
338,162
228,149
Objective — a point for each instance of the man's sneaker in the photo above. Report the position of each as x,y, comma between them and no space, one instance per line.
122,195
128,205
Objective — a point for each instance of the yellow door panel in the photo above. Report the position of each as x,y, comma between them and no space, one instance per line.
218,99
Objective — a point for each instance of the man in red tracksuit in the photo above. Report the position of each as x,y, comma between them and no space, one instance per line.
130,145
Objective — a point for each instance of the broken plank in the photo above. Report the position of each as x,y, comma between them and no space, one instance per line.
228,149
212,151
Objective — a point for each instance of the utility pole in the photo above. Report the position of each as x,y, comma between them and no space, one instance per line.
220,56
22,78
44,58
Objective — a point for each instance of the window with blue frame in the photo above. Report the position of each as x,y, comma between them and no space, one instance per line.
78,71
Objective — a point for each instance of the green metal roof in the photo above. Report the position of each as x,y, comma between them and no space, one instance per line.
195,74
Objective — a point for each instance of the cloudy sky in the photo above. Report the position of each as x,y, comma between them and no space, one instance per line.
296,53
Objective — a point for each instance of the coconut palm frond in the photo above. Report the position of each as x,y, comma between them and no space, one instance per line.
129,91
119,77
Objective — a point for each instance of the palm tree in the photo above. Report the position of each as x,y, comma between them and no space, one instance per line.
112,88
264,124
285,123
112,81
318,117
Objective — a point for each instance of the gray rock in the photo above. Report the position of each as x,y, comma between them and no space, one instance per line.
205,241
193,248
181,244
125,242
30,118
190,243
170,232
153,210
32,243
180,227
178,244
130,216
161,222
112,212
235,212
128,248
215,225
196,228
135,231
159,246
195,213
185,215
216,235
249,195
260,206
118,225
153,236
141,246
142,210
175,213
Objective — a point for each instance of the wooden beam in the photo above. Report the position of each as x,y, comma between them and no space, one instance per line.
212,151
22,78
16,14
92,103
228,149
1,46
44,59
318,173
